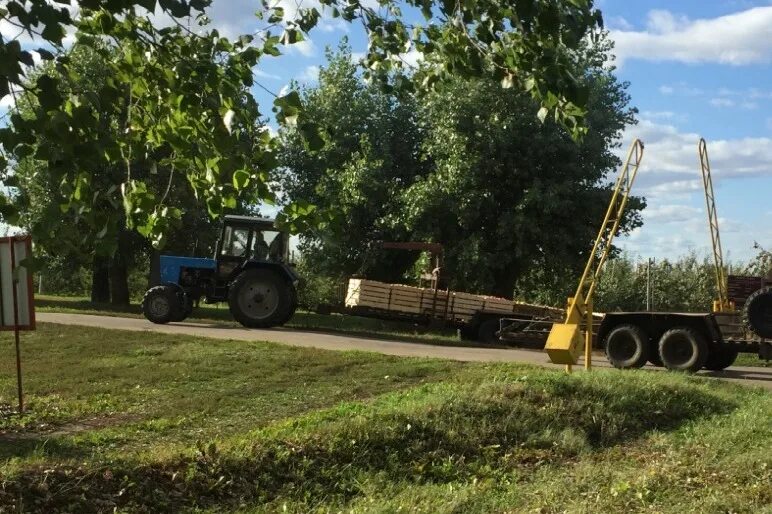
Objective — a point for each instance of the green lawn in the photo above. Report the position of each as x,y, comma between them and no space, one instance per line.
149,422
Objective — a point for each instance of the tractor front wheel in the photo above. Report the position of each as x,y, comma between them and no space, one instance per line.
161,305
259,298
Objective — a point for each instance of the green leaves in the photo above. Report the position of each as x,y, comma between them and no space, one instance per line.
287,108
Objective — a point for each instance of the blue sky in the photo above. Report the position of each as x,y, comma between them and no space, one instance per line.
696,69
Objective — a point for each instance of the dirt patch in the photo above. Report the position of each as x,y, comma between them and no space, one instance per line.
74,427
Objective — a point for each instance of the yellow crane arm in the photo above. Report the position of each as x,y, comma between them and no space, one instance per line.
564,343
722,304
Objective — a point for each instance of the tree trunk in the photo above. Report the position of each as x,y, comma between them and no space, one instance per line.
100,283
119,281
119,271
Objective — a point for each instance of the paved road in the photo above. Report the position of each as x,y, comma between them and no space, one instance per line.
336,341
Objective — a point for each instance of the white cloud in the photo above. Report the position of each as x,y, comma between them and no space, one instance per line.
662,22
722,102
264,74
665,116
670,213
669,178
681,89
671,158
310,74
306,48
333,25
736,39
618,22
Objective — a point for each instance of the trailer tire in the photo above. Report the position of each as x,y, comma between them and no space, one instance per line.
683,349
260,298
486,332
721,357
468,332
757,313
160,305
627,347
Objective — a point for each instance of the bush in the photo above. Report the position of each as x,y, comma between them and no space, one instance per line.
61,276
315,289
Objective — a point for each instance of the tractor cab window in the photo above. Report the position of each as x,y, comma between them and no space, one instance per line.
268,246
235,242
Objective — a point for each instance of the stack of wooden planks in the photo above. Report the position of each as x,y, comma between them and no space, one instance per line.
436,303
741,287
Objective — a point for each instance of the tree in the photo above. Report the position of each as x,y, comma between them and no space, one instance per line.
505,193
371,154
156,78
509,194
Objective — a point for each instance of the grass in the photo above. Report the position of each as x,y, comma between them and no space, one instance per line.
148,422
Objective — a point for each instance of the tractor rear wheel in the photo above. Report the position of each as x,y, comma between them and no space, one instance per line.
627,346
260,298
293,306
721,357
161,305
683,349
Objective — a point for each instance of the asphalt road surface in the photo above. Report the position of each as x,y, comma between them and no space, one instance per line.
340,342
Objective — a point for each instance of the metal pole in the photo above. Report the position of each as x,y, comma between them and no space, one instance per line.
588,337
648,285
14,280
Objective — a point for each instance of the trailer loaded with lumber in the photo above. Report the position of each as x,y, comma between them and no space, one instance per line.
476,316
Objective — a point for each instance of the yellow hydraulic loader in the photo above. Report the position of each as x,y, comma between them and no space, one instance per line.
565,341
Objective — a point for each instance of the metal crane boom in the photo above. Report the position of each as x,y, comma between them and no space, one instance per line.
565,340
722,304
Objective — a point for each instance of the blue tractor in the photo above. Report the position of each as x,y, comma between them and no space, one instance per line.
250,270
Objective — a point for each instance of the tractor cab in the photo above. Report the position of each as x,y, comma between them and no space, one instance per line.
247,238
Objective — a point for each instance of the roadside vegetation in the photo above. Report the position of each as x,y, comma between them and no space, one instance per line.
164,423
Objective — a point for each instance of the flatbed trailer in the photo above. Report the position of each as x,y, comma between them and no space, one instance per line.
477,317
679,341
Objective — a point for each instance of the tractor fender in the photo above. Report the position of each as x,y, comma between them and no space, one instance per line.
279,268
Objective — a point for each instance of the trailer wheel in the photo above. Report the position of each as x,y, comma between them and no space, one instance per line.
627,346
758,312
486,333
683,349
259,298
467,333
721,357
161,305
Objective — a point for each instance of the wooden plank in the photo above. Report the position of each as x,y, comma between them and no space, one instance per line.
450,305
